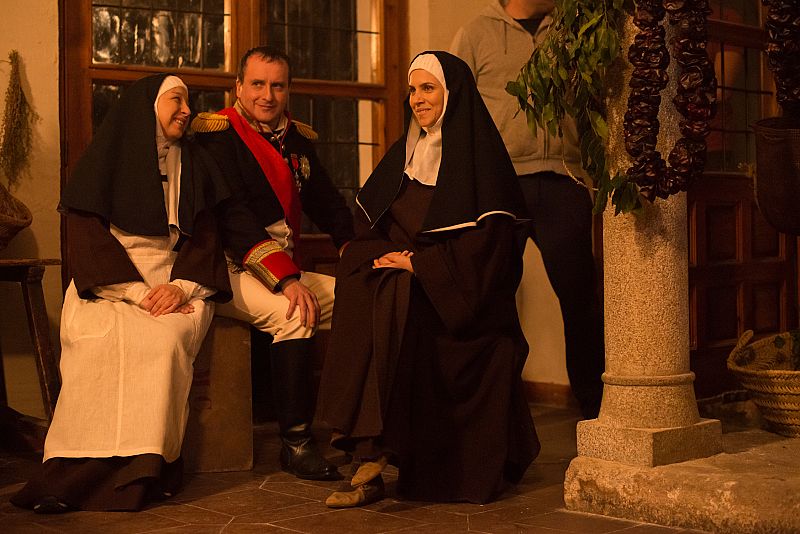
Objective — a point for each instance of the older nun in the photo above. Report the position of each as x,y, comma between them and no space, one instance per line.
146,264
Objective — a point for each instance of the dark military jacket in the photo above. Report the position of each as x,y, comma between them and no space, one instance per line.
254,205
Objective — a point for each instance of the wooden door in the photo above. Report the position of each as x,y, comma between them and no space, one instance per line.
742,276
742,272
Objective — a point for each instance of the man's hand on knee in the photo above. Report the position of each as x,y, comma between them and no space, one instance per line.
303,298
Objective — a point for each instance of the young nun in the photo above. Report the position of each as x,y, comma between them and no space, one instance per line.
424,364
145,263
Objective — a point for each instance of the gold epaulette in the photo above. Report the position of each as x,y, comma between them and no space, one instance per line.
306,130
210,122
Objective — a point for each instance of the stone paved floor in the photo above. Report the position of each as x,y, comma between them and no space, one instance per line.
268,500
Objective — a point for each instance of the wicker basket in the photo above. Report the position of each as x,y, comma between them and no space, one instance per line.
777,180
14,216
768,368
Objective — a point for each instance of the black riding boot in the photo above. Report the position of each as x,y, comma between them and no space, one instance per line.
293,390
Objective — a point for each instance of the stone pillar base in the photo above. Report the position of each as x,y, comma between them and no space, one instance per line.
753,487
649,447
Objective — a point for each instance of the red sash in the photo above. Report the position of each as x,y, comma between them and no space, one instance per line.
275,169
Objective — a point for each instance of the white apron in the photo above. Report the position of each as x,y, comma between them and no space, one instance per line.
126,375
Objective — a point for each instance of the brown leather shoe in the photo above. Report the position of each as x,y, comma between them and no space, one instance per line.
361,495
368,471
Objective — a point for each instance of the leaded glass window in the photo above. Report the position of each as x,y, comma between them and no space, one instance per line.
744,92
326,39
348,82
347,143
162,33
333,41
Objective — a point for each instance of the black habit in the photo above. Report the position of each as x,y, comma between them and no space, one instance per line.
428,365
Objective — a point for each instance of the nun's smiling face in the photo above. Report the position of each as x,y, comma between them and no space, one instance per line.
173,112
426,97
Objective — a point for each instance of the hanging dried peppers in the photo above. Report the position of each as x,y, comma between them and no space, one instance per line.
695,95
783,52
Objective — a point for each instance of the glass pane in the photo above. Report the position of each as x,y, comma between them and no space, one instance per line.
753,69
343,14
276,10
176,33
347,145
368,46
206,101
133,43
753,108
276,37
162,40
105,35
735,111
320,13
214,41
741,101
344,115
300,49
326,39
103,97
189,41
105,2
216,7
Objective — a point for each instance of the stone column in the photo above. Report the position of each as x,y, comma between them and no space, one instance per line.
649,413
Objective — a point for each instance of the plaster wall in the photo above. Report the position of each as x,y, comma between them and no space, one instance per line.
33,31
432,25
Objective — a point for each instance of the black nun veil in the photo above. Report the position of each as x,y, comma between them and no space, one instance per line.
476,176
118,177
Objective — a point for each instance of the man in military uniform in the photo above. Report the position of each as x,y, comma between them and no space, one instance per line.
275,176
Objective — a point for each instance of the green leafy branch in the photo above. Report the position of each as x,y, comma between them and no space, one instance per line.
566,76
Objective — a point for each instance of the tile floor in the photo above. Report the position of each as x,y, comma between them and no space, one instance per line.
268,500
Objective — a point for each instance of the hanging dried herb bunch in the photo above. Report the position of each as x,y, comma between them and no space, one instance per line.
17,132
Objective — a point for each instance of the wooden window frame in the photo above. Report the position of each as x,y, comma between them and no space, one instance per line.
77,73
752,37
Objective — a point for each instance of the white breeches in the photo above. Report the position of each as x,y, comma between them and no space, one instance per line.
255,304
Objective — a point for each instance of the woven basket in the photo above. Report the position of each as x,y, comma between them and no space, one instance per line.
768,368
14,216
777,180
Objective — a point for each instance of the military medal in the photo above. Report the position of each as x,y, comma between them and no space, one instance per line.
301,169
305,167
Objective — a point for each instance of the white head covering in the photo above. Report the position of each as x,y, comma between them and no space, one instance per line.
169,156
424,153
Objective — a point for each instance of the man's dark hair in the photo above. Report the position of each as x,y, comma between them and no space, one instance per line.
267,53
